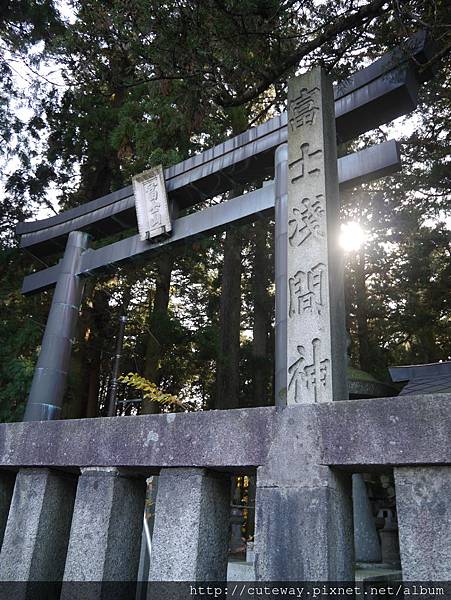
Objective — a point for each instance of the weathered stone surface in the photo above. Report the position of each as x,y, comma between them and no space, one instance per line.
303,508
294,448
367,546
304,532
212,439
424,518
191,530
390,547
295,445
357,433
106,527
37,532
387,431
240,571
316,334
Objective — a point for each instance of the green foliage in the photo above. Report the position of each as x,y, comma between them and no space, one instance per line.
20,335
144,83
150,391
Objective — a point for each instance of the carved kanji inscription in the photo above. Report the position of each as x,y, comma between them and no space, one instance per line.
309,377
151,204
154,204
309,163
304,108
307,220
307,293
313,289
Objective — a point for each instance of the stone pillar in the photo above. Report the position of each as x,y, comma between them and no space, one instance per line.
50,375
191,531
303,509
37,532
106,528
7,481
366,540
424,521
316,334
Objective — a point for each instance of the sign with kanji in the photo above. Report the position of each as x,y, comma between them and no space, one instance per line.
151,203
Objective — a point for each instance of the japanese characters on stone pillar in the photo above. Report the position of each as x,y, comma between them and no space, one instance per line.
151,204
316,340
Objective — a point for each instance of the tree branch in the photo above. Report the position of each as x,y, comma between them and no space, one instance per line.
369,11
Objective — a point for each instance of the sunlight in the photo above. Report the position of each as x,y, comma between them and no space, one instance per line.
352,236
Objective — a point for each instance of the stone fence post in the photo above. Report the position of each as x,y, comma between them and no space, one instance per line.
191,529
106,527
37,531
424,518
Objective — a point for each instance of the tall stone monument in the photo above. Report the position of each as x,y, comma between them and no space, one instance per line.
291,489
316,341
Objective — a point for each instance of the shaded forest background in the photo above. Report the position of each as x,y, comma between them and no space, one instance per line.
94,92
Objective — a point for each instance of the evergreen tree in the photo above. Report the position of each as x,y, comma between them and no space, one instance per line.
150,83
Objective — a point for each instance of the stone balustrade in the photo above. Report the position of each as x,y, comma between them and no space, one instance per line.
72,492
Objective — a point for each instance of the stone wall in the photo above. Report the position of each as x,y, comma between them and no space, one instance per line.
72,492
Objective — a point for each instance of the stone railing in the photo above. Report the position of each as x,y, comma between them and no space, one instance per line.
72,492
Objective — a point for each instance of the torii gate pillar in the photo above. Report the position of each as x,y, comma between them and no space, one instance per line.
50,376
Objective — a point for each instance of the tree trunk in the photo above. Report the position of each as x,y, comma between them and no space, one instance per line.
92,407
227,373
228,362
159,313
92,329
262,315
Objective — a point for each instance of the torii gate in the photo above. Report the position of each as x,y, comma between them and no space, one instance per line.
303,455
310,331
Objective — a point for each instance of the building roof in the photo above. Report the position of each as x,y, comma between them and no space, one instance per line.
433,378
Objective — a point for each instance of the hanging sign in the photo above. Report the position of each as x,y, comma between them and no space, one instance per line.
151,203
